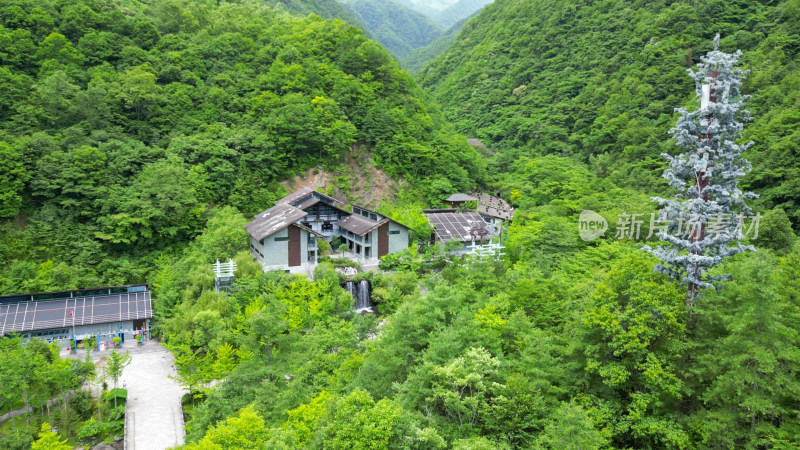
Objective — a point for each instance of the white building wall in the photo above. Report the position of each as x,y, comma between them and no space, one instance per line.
276,253
106,331
111,329
373,242
303,246
397,242
256,250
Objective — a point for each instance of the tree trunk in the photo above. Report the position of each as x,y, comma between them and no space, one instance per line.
27,404
66,411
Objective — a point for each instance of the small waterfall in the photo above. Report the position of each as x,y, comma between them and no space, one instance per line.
361,295
351,288
364,299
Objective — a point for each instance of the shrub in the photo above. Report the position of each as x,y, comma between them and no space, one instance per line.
19,438
82,404
90,429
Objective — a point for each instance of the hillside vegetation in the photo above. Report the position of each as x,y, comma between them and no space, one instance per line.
428,7
327,9
138,137
559,343
397,27
598,81
460,10
122,123
418,58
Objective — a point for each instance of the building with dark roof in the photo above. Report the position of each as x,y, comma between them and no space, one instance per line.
494,209
473,224
468,228
284,237
71,316
457,200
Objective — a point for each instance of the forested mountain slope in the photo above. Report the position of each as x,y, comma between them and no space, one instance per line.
122,122
460,10
397,27
417,58
598,81
430,8
327,9
137,137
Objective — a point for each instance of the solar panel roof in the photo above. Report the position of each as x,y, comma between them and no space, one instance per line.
25,316
456,226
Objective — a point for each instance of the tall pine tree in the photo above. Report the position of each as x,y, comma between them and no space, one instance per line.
704,221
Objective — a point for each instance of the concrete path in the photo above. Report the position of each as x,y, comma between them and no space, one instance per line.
154,420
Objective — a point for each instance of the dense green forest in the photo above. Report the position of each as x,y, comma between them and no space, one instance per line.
138,137
460,10
33,373
445,12
327,9
418,58
598,82
562,343
398,28
123,123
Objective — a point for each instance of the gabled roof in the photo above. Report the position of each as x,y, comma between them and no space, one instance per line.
382,215
459,226
489,205
303,227
292,208
307,203
295,196
306,197
273,220
460,198
360,225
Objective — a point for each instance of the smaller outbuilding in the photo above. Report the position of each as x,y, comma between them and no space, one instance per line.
458,200
69,317
468,228
494,209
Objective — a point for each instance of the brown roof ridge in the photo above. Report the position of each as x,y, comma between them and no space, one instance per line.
303,227
361,225
273,220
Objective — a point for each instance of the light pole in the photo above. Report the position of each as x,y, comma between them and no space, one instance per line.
74,337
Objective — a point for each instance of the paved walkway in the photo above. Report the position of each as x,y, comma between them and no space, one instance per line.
154,418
